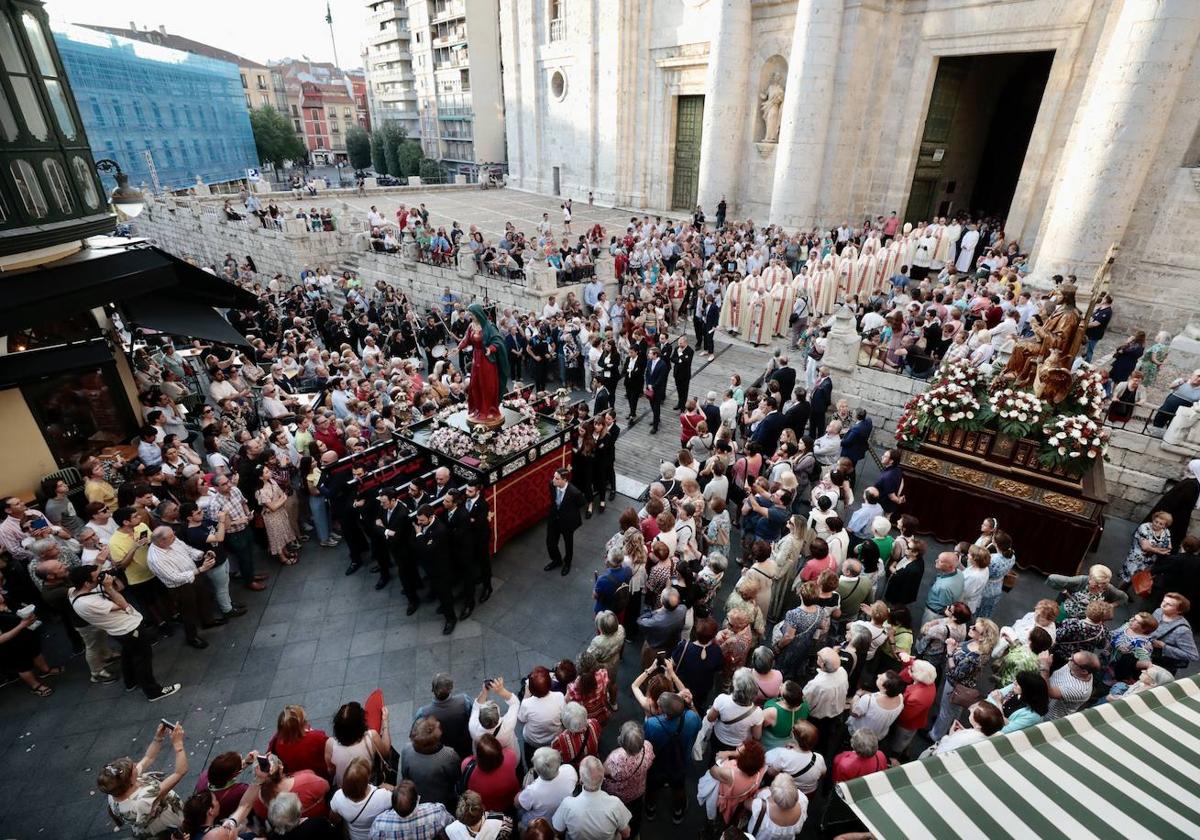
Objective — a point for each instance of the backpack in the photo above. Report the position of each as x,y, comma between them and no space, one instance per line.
619,600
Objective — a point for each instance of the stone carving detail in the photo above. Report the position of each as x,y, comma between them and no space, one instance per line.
1013,488
771,107
968,476
924,464
1063,503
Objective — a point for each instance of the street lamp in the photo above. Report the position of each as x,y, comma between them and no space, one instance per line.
127,201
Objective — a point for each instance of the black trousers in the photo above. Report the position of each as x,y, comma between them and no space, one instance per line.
708,341
483,566
816,424
655,409
682,384
194,606
137,662
698,326
410,577
553,534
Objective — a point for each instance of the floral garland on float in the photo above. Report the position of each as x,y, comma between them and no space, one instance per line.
451,441
1069,436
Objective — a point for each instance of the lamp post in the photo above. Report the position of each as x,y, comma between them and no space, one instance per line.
126,200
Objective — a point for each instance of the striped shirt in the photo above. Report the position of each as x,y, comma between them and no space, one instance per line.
424,823
1075,692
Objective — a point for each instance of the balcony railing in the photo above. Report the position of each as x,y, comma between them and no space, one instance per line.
558,29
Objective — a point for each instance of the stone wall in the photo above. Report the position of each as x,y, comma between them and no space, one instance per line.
199,230
1138,465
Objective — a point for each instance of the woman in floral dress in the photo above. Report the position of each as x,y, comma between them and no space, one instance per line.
145,801
793,636
280,535
1150,540
1154,358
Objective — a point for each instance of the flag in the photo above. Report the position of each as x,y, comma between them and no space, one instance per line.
328,14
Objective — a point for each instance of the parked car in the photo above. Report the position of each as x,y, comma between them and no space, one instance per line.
387,181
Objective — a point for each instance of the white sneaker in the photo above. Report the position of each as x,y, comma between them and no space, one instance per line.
167,691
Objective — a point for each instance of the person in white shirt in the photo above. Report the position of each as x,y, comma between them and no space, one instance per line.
540,712
486,717
547,784
593,814
375,218
357,802
177,564
986,720
825,694
100,521
778,812
734,716
551,309
799,759
828,446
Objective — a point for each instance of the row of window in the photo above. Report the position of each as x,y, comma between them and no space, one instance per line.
44,190
24,81
197,116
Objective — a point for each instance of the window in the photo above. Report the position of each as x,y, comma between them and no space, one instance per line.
80,410
29,189
31,111
139,113
297,124
85,182
295,111
58,185
62,111
98,113
249,104
118,113
266,100
557,22
244,85
158,120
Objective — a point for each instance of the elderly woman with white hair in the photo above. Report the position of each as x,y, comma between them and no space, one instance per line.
734,715
546,785
474,822
606,646
285,820
580,735
626,768
1080,590
919,697
778,812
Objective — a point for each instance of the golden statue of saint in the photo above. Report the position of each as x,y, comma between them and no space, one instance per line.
1058,332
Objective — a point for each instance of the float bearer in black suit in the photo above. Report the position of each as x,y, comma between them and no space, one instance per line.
388,538
458,529
480,519
656,384
566,502
432,548
681,365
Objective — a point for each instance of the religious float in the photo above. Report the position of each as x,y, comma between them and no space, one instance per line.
975,445
511,445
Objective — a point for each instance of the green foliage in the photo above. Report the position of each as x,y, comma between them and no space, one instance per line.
430,171
393,138
274,137
377,159
409,158
358,147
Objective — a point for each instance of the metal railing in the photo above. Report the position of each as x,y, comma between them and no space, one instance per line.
558,29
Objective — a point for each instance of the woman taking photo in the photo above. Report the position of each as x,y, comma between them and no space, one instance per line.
143,800
280,536
964,666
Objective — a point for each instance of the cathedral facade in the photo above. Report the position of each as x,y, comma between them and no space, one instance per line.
1077,122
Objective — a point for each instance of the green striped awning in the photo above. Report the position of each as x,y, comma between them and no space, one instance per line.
1127,769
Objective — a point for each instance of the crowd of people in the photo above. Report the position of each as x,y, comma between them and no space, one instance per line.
786,626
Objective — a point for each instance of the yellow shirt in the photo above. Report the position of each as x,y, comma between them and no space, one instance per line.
102,492
119,544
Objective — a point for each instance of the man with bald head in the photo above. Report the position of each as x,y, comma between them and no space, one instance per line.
592,814
1071,685
947,586
441,484
177,565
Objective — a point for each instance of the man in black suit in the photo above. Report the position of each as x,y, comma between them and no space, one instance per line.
388,537
458,531
479,518
818,403
766,433
785,375
712,319
656,381
681,356
566,502
796,416
712,412
601,398
432,549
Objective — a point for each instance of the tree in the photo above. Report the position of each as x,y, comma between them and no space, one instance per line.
431,173
358,147
274,137
393,138
409,158
377,159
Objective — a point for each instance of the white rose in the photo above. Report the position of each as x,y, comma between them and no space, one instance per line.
970,415
1075,433
1022,417
1062,450
1073,455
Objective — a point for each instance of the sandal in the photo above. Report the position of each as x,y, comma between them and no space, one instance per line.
289,559
42,691
53,672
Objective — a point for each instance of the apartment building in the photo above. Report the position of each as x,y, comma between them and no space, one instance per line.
387,58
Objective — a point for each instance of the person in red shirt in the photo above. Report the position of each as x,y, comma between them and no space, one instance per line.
649,525
298,745
918,700
492,773
311,789
221,778
327,433
862,759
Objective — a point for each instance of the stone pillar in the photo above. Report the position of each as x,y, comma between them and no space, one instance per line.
726,101
1116,134
807,104
842,343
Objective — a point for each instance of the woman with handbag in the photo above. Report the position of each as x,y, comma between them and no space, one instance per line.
738,775
1173,639
964,665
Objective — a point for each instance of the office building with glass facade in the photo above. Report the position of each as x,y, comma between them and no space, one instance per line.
167,117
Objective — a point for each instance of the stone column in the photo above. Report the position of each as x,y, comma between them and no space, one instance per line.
726,106
807,105
1116,133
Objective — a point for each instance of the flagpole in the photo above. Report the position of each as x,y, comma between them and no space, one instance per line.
332,40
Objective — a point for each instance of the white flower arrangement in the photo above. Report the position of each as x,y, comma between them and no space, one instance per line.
521,406
451,441
962,373
1017,412
516,438
1073,442
1087,393
949,404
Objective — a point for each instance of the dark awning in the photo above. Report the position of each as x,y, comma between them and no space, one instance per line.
16,368
167,313
97,277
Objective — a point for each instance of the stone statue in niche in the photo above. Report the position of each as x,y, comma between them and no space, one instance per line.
771,107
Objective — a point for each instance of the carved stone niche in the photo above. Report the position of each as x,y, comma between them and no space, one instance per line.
768,111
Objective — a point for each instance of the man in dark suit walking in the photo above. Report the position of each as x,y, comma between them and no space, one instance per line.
712,319
566,503
712,412
479,517
681,356
856,441
458,531
601,397
766,433
785,375
388,538
432,549
818,403
656,382
796,416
